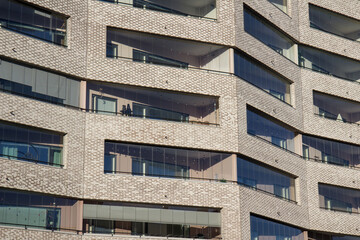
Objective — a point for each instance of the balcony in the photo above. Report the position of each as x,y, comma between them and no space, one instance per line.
204,9
32,21
262,77
331,152
336,108
42,85
265,179
339,198
334,23
31,145
151,220
262,228
329,63
271,131
265,32
144,160
167,51
38,211
113,99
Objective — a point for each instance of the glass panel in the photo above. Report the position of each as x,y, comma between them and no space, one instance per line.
330,236
152,104
267,34
331,22
270,131
336,108
31,145
33,21
261,77
33,83
329,63
164,227
339,198
266,229
281,4
331,152
256,176
37,211
168,51
167,162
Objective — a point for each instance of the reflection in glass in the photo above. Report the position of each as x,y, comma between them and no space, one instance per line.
167,51
25,144
37,211
270,131
150,103
331,22
339,198
266,229
261,77
267,34
265,179
331,152
166,162
33,21
336,108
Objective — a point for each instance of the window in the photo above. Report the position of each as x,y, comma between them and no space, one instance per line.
28,144
265,179
329,63
147,160
262,77
37,211
339,198
201,8
266,229
32,21
151,220
336,108
334,23
281,4
38,84
149,103
330,152
259,28
166,51
269,130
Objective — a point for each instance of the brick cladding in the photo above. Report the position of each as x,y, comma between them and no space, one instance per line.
84,58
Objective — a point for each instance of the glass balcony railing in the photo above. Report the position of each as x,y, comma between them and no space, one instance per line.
32,21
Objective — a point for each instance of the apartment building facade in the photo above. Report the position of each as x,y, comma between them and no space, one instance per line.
179,119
